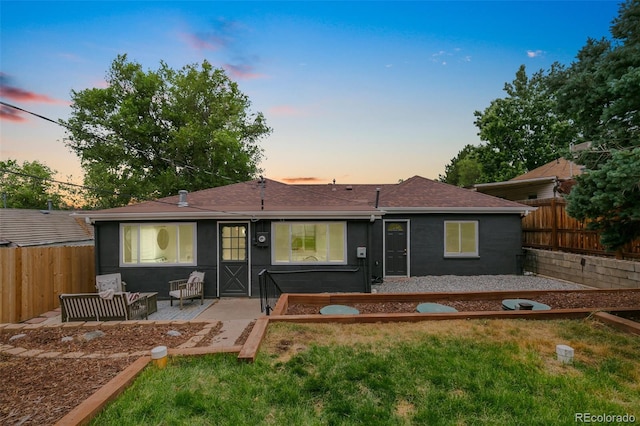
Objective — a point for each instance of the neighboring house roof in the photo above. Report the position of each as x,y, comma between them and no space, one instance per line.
274,199
554,172
560,169
23,228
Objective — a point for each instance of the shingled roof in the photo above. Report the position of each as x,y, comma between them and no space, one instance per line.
24,228
269,198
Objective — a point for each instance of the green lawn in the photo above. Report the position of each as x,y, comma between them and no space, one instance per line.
491,372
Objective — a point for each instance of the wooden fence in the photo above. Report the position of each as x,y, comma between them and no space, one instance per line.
551,228
31,278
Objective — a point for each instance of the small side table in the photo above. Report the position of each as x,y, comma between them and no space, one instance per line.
151,299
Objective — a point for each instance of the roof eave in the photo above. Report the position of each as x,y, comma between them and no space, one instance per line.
236,215
524,209
510,183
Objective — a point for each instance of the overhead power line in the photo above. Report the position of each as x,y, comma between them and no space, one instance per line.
103,139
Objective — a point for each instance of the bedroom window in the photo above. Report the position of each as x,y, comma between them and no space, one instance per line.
461,239
157,244
309,242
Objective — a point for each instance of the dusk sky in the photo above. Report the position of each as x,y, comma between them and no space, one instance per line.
360,92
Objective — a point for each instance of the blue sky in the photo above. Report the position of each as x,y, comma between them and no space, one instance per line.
360,92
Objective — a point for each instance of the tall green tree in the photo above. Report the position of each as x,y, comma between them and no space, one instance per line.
608,199
599,92
28,186
521,131
464,169
150,134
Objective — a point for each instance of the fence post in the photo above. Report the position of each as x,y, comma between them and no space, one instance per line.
554,225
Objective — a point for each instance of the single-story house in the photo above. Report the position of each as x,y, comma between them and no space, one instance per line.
552,180
43,228
317,238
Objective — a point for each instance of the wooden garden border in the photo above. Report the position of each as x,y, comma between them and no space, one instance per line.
92,406
250,349
88,409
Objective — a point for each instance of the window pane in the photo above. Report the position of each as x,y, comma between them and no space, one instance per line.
309,242
282,242
158,243
468,237
233,243
130,244
187,245
452,237
337,239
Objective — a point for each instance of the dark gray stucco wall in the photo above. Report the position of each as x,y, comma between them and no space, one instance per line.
352,277
500,241
156,278
499,245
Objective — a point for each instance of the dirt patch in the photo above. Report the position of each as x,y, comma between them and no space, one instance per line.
554,300
245,334
38,390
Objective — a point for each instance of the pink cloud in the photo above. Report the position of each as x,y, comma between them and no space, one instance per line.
203,41
242,72
17,94
10,114
285,111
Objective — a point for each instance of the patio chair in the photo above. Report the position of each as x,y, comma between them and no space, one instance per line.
110,282
190,288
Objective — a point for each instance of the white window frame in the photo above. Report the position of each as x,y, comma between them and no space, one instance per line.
139,264
462,254
315,223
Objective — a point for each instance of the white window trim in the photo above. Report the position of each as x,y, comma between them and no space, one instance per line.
463,254
290,262
159,264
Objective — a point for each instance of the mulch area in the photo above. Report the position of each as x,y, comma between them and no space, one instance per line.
40,391
555,301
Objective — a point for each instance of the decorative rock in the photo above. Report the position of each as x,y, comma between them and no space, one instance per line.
434,308
17,336
339,310
174,333
66,339
87,337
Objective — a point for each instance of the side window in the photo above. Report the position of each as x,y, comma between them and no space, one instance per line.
461,239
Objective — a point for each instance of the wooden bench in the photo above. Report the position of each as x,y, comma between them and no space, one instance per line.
92,307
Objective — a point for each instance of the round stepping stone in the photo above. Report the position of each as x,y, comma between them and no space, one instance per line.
513,304
434,308
339,310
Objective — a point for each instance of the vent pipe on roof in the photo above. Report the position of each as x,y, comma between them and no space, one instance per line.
49,205
377,196
182,202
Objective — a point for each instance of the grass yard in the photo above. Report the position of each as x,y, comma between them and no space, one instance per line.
467,372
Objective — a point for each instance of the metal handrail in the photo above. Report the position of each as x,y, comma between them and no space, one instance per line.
270,291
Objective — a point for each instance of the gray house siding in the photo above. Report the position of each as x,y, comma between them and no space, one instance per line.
499,241
156,279
499,244
352,277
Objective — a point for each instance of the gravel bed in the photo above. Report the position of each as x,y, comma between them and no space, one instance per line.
451,283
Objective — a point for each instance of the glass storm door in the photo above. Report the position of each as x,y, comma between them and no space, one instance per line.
234,262
395,248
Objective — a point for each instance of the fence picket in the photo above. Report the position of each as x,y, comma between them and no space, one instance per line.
551,228
31,278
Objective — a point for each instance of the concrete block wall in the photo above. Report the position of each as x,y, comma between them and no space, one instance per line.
599,272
